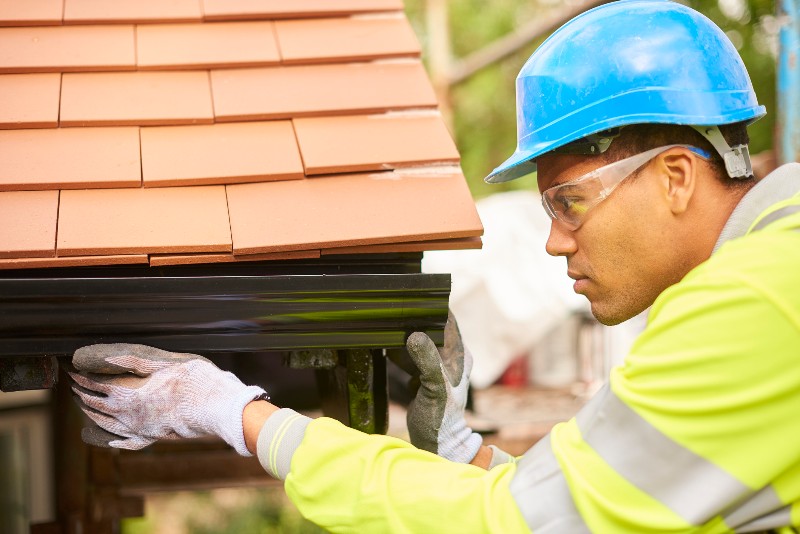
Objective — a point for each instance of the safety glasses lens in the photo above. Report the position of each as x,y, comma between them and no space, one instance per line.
570,202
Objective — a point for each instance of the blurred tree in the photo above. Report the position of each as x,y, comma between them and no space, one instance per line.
483,106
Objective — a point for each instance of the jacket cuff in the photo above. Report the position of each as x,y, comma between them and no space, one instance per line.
278,439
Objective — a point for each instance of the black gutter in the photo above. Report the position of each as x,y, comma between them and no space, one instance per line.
51,316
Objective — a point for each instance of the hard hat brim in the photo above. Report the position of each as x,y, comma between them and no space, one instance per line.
521,163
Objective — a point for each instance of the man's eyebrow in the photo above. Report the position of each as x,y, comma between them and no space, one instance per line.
565,181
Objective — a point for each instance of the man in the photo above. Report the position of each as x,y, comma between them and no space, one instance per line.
634,115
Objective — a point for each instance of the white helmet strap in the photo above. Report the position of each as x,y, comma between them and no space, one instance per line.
737,158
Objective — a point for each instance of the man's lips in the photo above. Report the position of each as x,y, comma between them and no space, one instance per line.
581,281
576,275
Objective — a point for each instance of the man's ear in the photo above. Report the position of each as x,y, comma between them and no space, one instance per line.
679,171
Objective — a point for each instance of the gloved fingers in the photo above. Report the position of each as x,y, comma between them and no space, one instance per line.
109,384
133,443
94,435
413,385
119,358
99,404
103,420
453,351
92,359
425,355
468,362
88,385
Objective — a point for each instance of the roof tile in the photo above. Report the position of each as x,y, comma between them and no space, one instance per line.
281,92
187,110
30,12
73,261
223,44
29,100
379,208
64,49
145,98
373,142
69,158
220,154
227,9
127,221
349,39
414,246
28,224
158,260
93,11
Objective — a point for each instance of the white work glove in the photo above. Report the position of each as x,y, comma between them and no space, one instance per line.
138,394
436,415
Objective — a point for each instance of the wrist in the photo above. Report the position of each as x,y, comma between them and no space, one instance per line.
254,416
483,458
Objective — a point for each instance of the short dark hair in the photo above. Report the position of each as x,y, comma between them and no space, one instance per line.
638,138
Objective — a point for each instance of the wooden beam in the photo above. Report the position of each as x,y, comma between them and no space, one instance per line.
465,67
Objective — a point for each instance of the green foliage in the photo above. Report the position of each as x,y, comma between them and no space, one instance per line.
483,106
755,54
266,515
229,511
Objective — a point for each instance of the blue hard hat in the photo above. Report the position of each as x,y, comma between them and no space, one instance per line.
626,62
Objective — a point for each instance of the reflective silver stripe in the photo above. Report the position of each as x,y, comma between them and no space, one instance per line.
760,504
775,215
542,494
280,436
777,519
691,486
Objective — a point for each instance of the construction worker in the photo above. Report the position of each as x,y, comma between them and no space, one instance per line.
634,115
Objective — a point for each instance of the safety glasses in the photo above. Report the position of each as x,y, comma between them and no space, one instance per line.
571,201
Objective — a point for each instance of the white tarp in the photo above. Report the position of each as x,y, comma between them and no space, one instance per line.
509,294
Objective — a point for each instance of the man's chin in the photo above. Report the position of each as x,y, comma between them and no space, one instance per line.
608,317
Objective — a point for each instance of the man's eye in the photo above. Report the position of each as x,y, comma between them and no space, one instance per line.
568,203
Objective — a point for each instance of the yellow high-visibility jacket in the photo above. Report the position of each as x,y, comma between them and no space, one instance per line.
698,430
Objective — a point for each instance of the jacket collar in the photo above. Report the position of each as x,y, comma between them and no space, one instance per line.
780,184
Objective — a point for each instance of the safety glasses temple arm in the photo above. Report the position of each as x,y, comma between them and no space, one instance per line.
737,158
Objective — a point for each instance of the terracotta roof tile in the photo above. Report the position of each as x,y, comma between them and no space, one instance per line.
222,44
357,209
145,98
125,221
373,142
349,39
220,153
227,9
29,100
92,11
64,49
28,224
280,92
69,158
73,261
158,260
147,160
30,12
414,246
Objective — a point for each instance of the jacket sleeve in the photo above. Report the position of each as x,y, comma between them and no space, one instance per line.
348,481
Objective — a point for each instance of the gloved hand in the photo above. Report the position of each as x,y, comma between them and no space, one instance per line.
138,394
436,415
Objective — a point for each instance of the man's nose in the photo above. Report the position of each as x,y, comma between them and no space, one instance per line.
560,242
